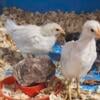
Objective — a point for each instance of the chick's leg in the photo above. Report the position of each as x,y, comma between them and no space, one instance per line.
78,88
69,89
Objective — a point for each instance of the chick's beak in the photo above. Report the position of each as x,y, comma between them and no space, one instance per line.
98,33
62,33
61,37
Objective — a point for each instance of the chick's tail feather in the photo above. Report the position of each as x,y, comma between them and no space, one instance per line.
10,26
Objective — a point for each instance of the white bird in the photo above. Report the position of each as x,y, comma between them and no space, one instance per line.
78,56
33,39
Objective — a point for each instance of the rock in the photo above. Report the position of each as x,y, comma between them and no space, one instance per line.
33,70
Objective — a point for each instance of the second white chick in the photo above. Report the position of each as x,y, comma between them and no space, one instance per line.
78,56
33,39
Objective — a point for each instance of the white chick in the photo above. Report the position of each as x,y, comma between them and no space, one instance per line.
33,39
78,56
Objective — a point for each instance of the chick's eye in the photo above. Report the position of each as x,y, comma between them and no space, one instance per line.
92,30
57,29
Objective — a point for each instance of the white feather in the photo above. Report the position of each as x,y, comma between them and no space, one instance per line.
32,38
10,25
78,56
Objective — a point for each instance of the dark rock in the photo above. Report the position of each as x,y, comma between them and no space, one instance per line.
72,36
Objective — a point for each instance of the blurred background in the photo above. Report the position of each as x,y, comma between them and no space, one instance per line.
53,5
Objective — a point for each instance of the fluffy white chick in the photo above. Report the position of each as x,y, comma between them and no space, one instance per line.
78,56
33,39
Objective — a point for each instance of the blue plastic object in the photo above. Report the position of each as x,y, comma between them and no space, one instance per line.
54,5
56,52
93,75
